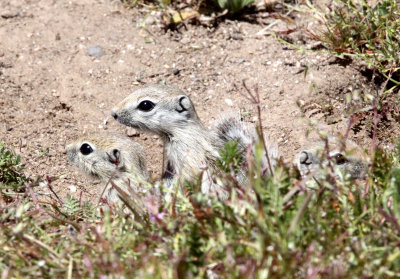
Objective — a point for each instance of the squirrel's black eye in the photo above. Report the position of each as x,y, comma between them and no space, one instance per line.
86,149
339,159
146,105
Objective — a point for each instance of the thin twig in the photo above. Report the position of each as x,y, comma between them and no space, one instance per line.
104,188
31,193
31,239
72,223
375,110
349,125
255,99
52,190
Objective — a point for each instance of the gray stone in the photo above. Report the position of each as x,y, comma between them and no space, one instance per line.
95,51
237,36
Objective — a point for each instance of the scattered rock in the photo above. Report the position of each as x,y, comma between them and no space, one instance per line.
185,40
237,36
316,46
206,20
9,14
131,132
229,102
95,51
176,71
241,60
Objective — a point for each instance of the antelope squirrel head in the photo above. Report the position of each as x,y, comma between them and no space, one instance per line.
102,156
346,157
157,108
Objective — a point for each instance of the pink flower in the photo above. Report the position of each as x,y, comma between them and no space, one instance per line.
156,217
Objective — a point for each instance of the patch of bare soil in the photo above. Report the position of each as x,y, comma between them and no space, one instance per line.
52,91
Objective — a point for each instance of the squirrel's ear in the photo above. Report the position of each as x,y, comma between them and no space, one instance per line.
182,103
114,156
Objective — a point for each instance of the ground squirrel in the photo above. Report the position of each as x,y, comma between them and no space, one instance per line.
346,157
103,156
189,146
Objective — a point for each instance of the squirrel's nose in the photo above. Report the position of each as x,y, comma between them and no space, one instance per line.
114,114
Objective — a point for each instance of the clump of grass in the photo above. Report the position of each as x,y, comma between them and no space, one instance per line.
365,32
355,30
233,6
231,158
11,176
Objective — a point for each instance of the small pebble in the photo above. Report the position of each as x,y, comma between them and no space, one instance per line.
176,71
241,60
95,51
9,14
229,102
185,40
131,132
237,36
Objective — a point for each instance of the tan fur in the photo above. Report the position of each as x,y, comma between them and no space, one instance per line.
112,156
189,146
346,156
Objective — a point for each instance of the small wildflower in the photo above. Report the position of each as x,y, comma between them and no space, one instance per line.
157,217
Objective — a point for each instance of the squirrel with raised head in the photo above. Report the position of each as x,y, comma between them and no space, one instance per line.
188,145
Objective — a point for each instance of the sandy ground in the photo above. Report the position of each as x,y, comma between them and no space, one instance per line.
52,91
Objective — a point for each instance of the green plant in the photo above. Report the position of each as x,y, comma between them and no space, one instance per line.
231,157
233,6
71,205
365,32
130,3
10,170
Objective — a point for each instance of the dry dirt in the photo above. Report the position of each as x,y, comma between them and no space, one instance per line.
52,91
